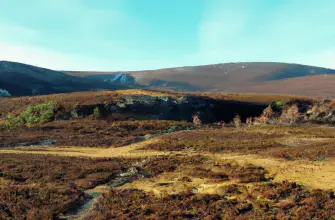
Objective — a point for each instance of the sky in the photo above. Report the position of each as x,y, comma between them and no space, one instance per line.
118,35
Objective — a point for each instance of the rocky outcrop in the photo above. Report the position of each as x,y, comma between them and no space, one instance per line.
4,93
143,107
118,78
122,78
298,111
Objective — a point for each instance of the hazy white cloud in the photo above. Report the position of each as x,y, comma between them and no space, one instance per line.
39,57
325,58
81,35
75,35
232,32
17,44
25,49
65,61
79,44
218,28
11,33
10,30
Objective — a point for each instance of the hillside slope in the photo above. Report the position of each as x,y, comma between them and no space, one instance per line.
321,86
22,80
238,77
264,78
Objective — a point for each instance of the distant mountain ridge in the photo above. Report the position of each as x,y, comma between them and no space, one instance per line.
271,78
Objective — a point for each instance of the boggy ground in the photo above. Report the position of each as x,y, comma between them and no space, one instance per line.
256,172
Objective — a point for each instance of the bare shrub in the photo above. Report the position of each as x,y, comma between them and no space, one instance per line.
221,124
237,121
249,121
196,119
268,112
291,115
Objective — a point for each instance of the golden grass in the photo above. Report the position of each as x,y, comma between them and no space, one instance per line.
312,173
318,175
146,92
178,182
315,174
172,183
130,151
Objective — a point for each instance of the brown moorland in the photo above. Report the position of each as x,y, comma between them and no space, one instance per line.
320,86
301,142
173,169
254,77
43,187
88,133
273,201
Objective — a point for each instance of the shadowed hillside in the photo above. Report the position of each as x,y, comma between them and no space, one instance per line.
22,80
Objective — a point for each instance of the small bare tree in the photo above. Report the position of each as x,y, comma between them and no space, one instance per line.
221,124
249,121
196,119
291,115
237,121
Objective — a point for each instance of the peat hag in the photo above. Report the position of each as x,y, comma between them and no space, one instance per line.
142,107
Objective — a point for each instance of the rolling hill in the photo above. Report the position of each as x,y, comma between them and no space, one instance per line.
263,78
21,80
272,78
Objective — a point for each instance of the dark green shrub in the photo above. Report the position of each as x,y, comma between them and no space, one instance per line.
96,113
10,122
237,121
277,105
41,113
74,114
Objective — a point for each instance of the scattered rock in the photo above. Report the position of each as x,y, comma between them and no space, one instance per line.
41,143
299,112
4,93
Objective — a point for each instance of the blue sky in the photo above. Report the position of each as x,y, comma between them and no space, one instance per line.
110,35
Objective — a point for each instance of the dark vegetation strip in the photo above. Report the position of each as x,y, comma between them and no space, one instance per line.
265,201
89,133
248,141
